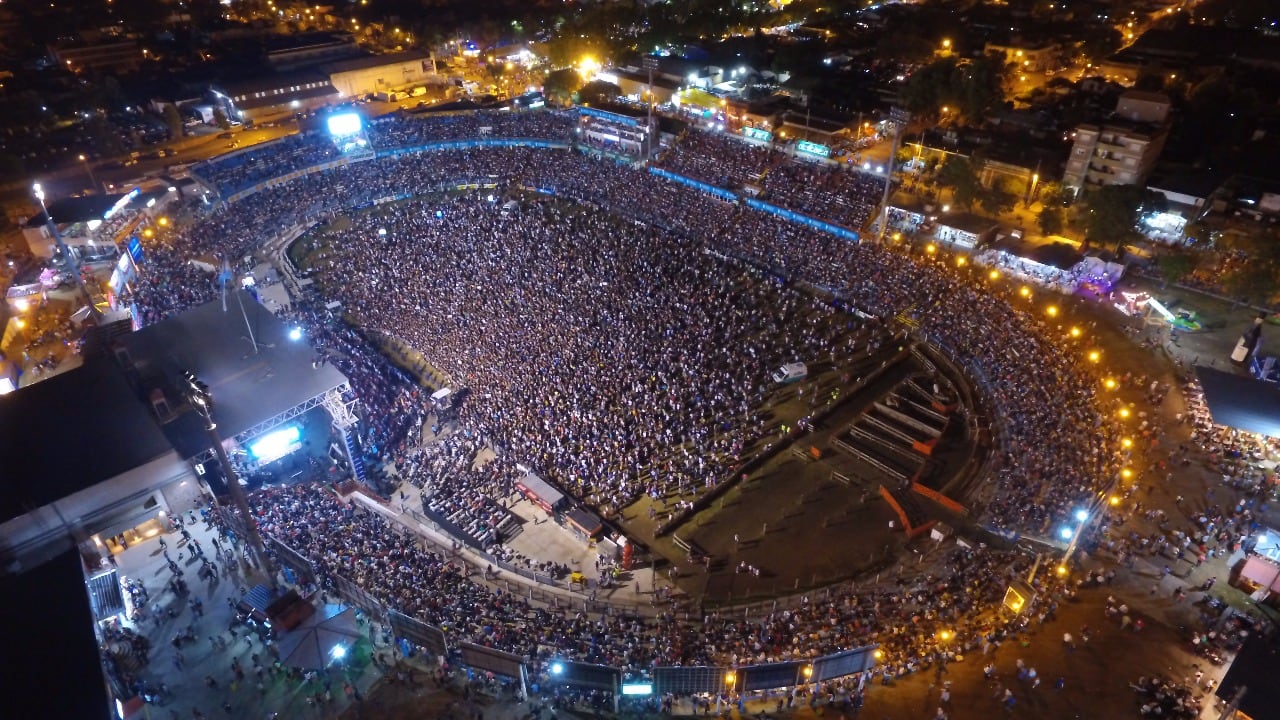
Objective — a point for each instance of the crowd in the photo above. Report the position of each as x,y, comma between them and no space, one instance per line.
460,487
831,192
344,541
408,130
613,384
622,358
539,391
234,172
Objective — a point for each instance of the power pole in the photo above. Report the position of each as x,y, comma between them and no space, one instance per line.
198,394
899,118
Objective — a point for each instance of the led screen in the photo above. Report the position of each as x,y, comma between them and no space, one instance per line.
274,445
344,124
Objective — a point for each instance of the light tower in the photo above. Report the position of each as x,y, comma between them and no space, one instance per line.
899,118
73,262
197,393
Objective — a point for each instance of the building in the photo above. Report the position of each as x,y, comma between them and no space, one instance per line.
1123,149
1142,106
380,73
100,457
290,52
116,55
276,94
1028,57
132,452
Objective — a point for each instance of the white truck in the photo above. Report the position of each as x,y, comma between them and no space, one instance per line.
791,372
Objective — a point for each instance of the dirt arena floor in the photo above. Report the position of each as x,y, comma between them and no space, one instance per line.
798,523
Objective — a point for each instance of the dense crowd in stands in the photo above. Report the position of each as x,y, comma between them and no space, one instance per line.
236,171
399,131
346,542
624,358
826,191
1046,468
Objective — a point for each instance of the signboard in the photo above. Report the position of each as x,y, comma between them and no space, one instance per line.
637,689
420,633
495,661
135,248
757,134
601,677
812,148
770,676
688,680
842,664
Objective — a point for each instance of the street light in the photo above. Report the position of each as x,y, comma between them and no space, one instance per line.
88,168
73,262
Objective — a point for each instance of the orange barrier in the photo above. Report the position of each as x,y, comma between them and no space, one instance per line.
912,530
939,498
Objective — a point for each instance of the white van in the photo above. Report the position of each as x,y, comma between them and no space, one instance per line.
791,372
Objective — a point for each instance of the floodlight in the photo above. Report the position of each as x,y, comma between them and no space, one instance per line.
295,333
1082,515
557,668
338,652
1066,533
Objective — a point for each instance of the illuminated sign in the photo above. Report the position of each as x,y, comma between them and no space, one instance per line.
757,134
125,200
637,689
812,148
344,124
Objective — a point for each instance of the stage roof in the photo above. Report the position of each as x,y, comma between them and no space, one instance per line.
1241,402
247,388
1254,668
54,670
70,432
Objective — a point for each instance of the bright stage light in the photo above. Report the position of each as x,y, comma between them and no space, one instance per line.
338,652
295,333
345,124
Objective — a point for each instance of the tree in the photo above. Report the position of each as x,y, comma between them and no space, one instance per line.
1051,220
1053,194
173,120
1176,265
998,198
957,173
220,117
1101,43
1197,234
560,85
598,91
1114,210
1253,281
970,87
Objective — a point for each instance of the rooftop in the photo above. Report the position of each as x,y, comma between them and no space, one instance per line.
375,61
55,632
248,388
1240,402
70,432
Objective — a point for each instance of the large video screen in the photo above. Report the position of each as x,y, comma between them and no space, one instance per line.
345,124
275,445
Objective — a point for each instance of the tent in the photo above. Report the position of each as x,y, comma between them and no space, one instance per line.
312,645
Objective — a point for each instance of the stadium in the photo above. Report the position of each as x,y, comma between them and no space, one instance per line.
694,373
